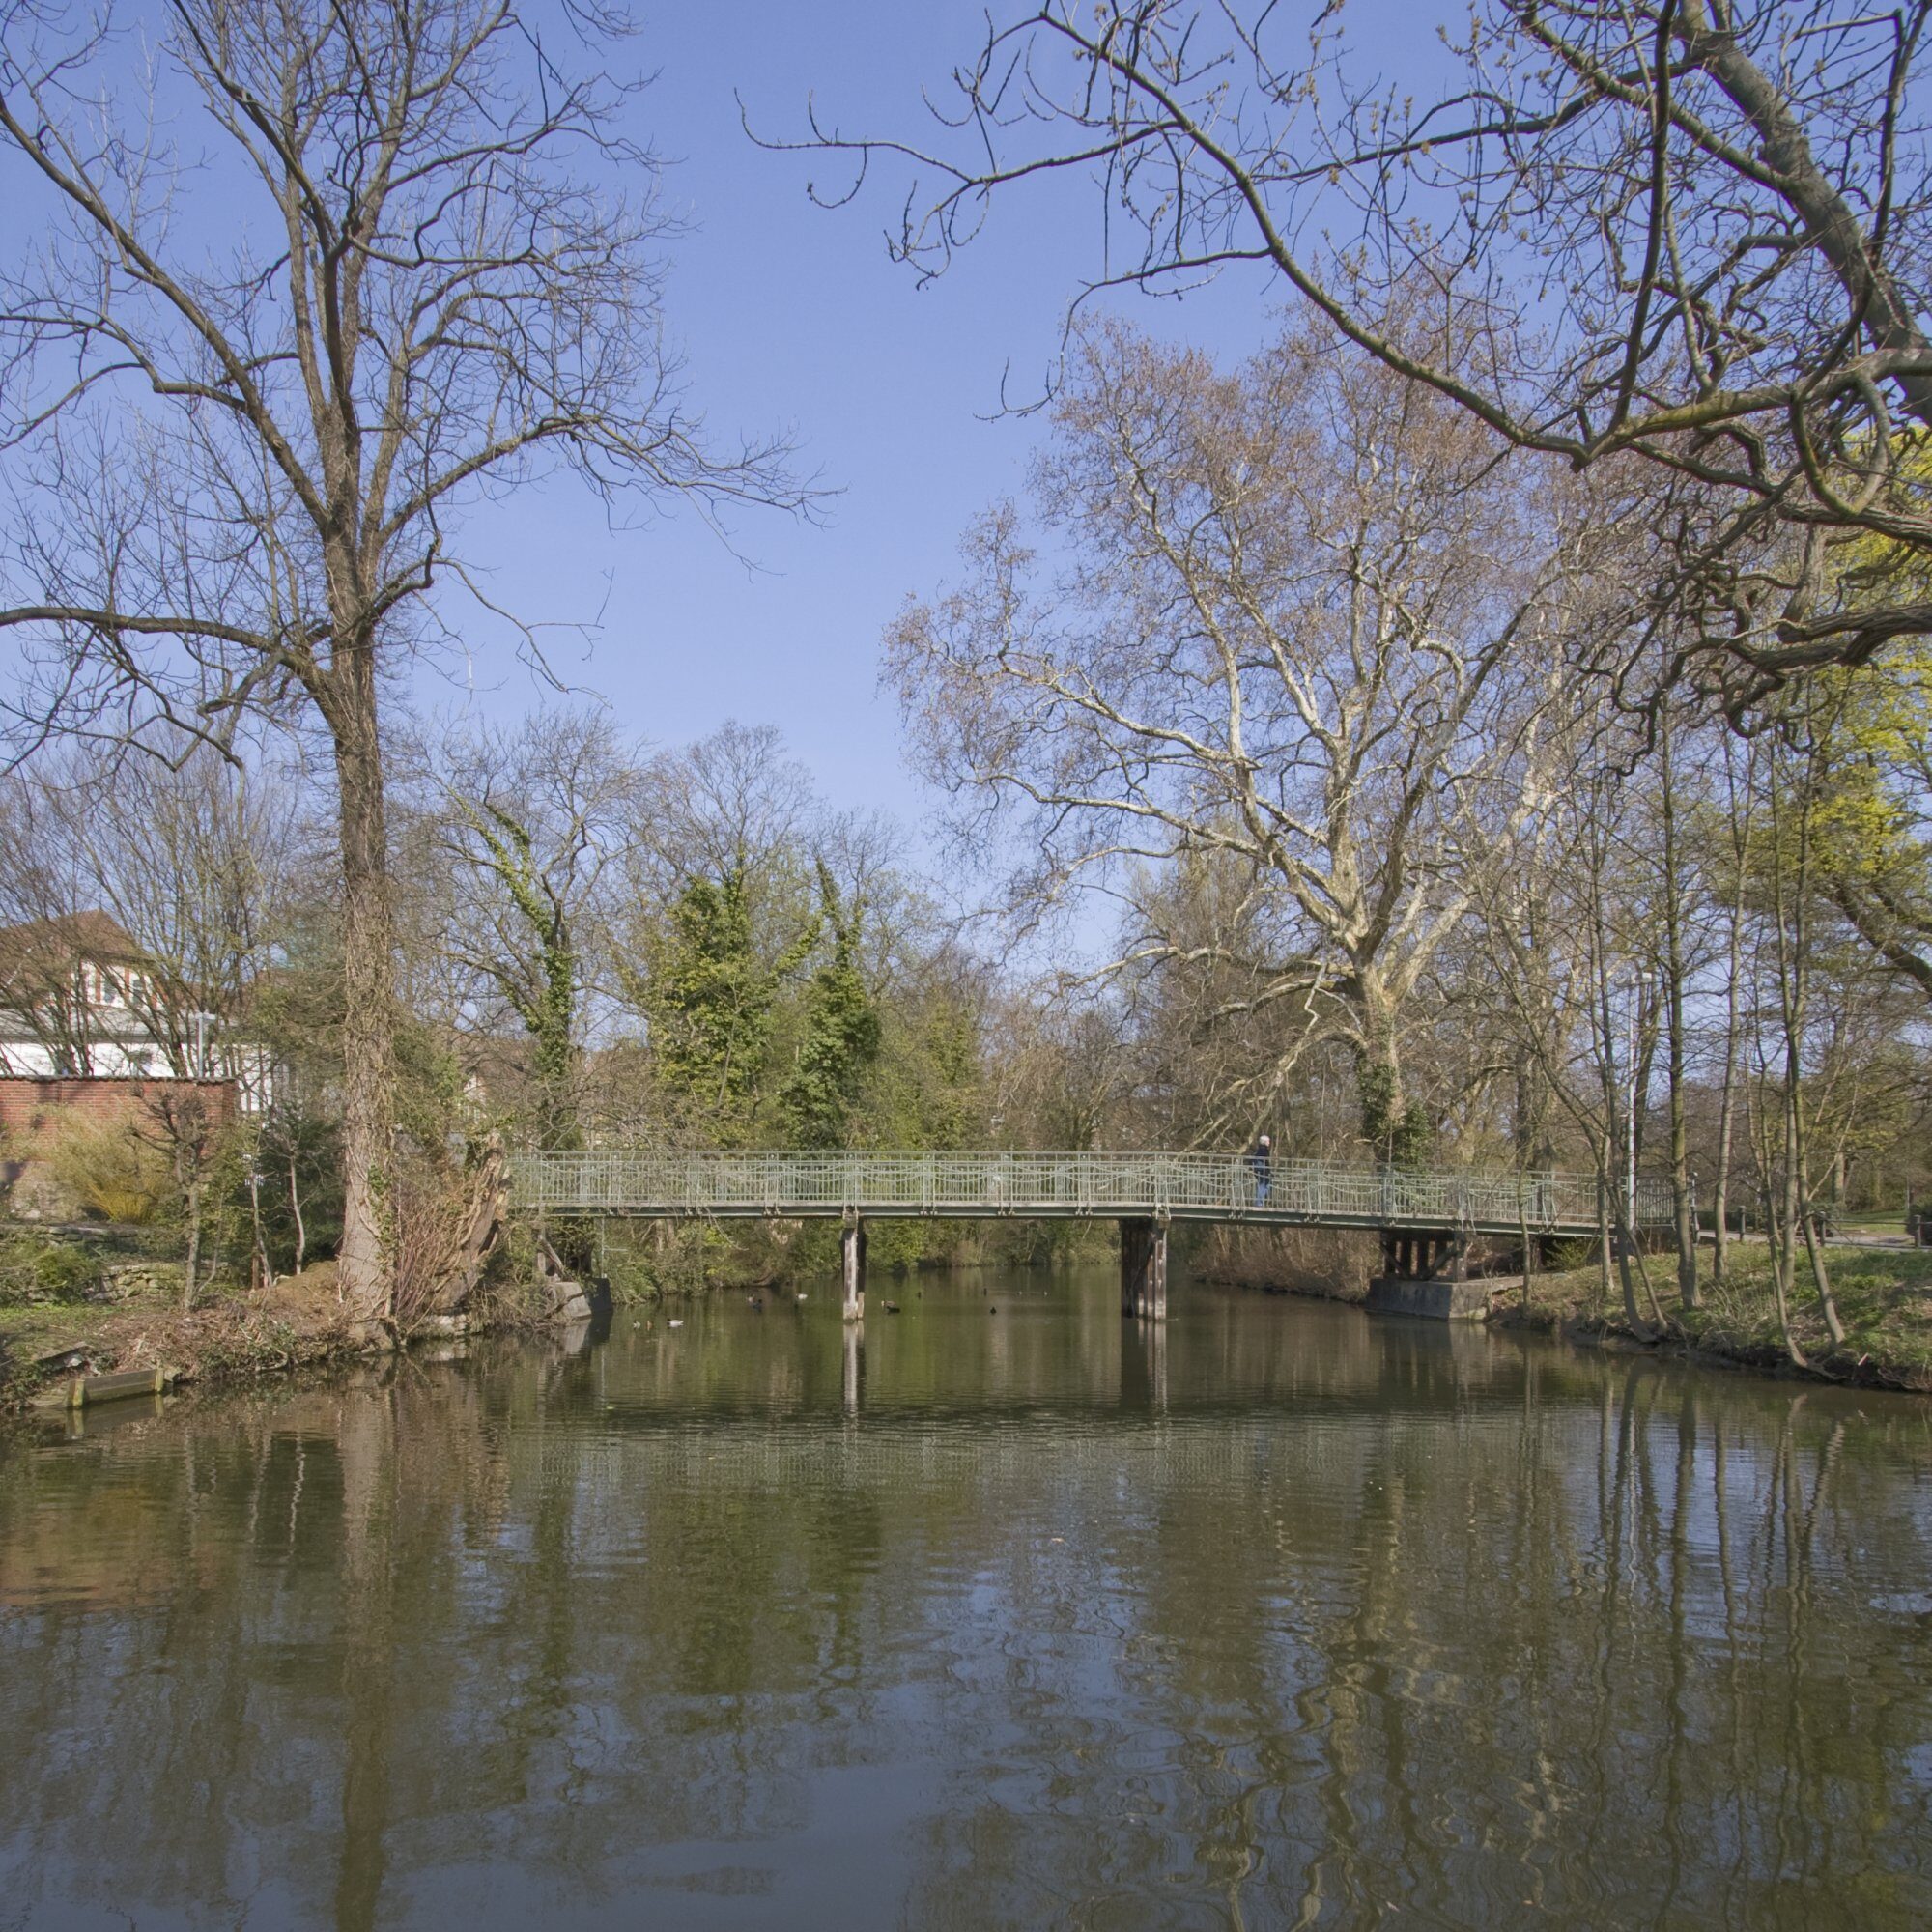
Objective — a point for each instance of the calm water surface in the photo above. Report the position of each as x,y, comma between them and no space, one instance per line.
1274,1617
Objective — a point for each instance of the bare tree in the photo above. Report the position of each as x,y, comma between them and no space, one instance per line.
1668,875
736,800
1566,927
200,861
181,1121
252,390
1295,630
524,827
1065,1074
1716,215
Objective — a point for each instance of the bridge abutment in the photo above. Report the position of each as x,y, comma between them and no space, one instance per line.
1144,1269
1425,1272
852,1266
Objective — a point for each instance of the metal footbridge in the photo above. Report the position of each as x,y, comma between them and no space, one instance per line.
1427,1220
1056,1186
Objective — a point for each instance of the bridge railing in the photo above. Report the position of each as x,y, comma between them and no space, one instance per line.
628,1182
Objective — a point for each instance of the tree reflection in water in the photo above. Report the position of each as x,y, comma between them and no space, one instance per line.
1272,1616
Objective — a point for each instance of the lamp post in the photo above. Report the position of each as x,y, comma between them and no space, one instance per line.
202,1023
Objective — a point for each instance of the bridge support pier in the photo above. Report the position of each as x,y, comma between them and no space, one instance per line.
852,1266
1425,1272
1144,1269
1425,1255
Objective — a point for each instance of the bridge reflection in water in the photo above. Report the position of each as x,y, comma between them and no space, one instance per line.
1426,1218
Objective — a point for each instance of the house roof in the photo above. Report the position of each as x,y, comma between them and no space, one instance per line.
43,944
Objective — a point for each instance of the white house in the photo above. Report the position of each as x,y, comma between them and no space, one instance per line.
80,1000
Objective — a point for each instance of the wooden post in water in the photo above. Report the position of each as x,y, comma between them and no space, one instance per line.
852,1258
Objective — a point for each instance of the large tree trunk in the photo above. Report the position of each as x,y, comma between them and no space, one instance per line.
1616,1212
1391,1125
368,985
191,1267
553,1035
1832,223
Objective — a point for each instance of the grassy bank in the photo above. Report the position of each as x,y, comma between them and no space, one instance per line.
1884,1298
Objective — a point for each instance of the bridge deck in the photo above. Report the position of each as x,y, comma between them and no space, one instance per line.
1059,1186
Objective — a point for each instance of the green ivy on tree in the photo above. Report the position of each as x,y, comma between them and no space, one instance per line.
839,1038
711,1002
1397,1131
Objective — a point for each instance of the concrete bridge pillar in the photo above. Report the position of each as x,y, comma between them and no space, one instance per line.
852,1259
1144,1269
1425,1272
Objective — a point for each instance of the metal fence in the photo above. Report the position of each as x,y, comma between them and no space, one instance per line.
1186,1186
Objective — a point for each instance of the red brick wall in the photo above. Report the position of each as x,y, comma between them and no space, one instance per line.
28,1106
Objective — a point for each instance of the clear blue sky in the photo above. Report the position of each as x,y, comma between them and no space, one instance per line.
793,316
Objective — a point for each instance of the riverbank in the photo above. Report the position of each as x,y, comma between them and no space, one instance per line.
1884,1297
298,1323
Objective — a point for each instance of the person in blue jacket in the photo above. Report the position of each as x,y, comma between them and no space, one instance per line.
1261,1164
